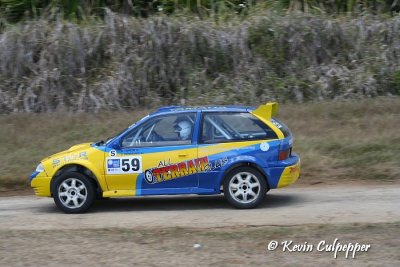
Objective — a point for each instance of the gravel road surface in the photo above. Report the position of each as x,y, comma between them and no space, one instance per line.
289,206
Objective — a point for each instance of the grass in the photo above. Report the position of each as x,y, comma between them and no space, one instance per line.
27,138
337,141
347,140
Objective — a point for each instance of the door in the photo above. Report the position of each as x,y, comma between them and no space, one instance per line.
155,157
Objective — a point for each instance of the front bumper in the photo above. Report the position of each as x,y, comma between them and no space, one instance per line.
41,185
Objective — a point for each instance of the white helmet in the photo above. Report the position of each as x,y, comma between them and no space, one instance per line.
184,129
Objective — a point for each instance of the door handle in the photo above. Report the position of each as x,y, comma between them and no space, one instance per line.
182,155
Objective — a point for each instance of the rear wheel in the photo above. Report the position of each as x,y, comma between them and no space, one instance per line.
245,188
73,192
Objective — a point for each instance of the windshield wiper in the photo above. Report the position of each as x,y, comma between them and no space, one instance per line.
101,142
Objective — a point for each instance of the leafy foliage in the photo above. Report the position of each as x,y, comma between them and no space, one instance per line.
15,10
126,62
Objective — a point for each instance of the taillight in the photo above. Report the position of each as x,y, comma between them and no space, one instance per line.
284,154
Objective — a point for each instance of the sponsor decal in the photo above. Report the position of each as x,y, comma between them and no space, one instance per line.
164,163
277,124
113,153
70,157
198,107
56,162
124,165
173,171
113,163
294,169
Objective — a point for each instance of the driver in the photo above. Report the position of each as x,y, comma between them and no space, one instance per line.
184,129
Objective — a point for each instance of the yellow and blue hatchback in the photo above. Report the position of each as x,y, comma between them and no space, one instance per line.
240,151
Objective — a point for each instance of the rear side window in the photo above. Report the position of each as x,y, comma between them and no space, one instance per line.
233,126
284,129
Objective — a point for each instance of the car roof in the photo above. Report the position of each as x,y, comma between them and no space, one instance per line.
176,109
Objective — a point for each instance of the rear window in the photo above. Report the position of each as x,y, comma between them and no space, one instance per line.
284,129
233,126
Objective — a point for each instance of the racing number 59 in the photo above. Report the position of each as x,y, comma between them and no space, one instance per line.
127,164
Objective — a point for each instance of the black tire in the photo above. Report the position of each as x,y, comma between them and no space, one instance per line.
100,197
75,186
251,188
99,194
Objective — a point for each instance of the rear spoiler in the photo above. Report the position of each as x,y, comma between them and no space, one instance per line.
267,110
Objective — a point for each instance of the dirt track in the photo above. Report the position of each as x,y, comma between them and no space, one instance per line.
162,231
290,206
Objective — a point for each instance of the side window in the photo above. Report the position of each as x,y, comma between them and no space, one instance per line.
233,126
168,130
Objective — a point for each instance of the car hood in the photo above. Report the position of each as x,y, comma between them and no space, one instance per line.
71,149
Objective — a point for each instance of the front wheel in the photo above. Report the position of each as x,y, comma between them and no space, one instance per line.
73,192
245,188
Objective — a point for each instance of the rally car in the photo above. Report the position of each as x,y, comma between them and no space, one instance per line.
238,150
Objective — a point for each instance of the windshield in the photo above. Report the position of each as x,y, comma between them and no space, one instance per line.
171,129
110,139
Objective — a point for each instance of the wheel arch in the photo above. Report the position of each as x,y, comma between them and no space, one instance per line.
244,164
74,167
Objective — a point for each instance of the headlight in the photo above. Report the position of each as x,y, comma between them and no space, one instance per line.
40,168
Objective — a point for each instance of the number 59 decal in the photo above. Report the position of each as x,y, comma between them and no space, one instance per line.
122,165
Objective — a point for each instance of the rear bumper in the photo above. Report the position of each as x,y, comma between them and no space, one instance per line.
41,186
289,175
285,174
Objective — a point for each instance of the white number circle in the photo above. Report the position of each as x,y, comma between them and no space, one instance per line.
264,146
